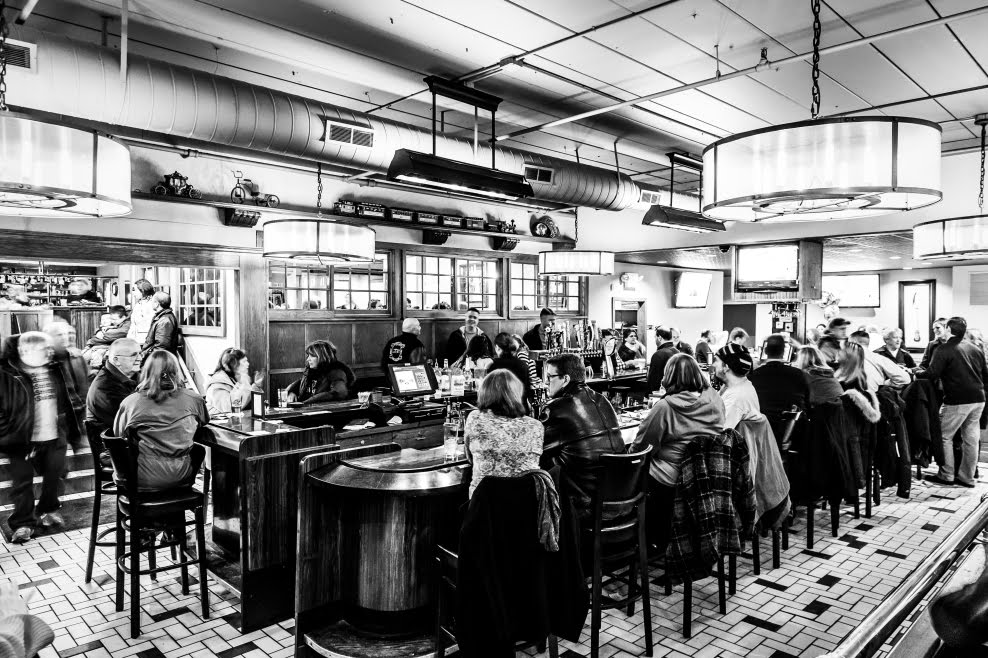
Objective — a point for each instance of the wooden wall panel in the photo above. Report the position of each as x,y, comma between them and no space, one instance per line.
287,340
253,308
369,340
338,333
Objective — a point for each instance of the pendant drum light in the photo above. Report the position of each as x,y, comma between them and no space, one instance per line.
317,240
821,169
48,170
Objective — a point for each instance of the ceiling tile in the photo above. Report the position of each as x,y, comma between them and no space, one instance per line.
936,61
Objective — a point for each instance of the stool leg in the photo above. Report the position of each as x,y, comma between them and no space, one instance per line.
152,555
785,535
721,587
201,552
595,601
121,539
810,508
94,530
776,540
732,566
756,558
554,646
645,592
835,517
631,585
183,554
869,487
135,582
687,608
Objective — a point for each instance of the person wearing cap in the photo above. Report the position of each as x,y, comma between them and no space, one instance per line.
405,347
537,338
665,351
833,339
732,363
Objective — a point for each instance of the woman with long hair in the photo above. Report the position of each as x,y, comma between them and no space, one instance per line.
506,349
479,353
525,357
141,310
500,438
166,416
230,382
824,387
854,381
689,410
324,379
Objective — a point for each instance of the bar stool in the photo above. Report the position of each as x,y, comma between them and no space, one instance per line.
156,511
102,484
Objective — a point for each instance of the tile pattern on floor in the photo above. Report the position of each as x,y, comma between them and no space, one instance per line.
802,609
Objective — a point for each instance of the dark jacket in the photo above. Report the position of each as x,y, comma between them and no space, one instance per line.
892,459
824,386
533,338
703,350
163,333
922,415
106,393
404,348
517,367
779,387
107,336
580,426
903,358
456,345
331,382
960,365
508,588
819,464
714,508
928,353
684,348
657,365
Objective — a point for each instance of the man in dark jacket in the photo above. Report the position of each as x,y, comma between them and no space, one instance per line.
960,366
892,349
580,426
115,381
163,333
680,345
779,385
37,419
537,338
940,336
661,356
456,344
704,353
405,347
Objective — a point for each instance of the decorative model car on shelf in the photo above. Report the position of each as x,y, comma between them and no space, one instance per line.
246,186
501,226
475,223
427,218
345,207
175,184
452,220
371,210
402,215
544,227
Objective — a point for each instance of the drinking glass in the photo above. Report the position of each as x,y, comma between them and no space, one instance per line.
449,442
282,397
236,408
364,398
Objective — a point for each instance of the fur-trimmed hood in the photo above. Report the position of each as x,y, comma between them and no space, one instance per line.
867,404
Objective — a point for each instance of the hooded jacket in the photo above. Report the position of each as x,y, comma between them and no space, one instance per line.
771,483
222,390
673,423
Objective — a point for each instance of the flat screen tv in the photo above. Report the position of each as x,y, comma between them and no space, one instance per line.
766,267
854,290
692,290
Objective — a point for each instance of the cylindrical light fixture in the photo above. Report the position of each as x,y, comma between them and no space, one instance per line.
957,238
586,263
48,170
317,240
823,169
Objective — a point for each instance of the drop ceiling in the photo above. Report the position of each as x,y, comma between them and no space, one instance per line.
384,48
846,253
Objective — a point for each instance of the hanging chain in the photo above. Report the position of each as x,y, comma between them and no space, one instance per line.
815,99
981,186
319,188
4,29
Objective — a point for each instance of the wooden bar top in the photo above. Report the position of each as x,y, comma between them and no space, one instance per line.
406,472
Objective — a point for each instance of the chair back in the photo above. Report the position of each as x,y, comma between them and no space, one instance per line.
622,480
123,456
783,426
94,429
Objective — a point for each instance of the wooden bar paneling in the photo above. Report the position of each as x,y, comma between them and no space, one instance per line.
253,307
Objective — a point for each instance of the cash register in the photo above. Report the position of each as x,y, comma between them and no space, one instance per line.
409,385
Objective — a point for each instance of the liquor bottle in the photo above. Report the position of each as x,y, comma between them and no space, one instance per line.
461,421
445,379
458,382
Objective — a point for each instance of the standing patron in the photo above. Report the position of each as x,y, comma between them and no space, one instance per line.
665,351
456,344
163,334
405,347
142,310
538,337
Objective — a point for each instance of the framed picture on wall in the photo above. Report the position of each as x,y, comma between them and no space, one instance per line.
917,301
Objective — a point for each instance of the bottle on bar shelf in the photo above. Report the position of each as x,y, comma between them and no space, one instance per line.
458,381
445,376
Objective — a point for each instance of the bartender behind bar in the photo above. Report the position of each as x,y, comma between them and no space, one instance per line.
537,338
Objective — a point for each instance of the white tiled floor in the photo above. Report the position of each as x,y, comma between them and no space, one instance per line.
802,609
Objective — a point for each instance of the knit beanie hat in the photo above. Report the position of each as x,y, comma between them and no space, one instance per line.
736,358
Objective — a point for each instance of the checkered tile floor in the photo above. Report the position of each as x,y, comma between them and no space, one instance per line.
802,609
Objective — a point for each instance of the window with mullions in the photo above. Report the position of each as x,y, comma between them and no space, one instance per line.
531,292
358,287
436,282
524,287
200,300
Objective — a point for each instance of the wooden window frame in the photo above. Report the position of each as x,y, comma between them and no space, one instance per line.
181,308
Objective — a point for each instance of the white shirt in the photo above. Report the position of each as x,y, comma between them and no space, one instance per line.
881,370
740,403
141,316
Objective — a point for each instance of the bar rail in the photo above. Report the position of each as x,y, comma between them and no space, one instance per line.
878,627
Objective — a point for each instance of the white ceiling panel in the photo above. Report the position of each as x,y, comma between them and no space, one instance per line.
791,25
968,104
873,16
928,109
719,113
796,82
743,91
936,61
869,75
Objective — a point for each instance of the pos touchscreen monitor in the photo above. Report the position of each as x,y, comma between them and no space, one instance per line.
408,380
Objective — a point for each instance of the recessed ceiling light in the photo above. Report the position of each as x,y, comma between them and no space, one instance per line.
907,268
661,262
895,257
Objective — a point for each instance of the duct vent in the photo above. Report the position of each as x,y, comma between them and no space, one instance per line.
20,54
538,174
650,197
348,134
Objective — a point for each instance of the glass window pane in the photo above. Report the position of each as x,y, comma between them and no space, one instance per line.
490,268
414,282
446,286
378,282
445,265
528,288
413,264
517,270
573,288
414,300
360,300
517,302
430,283
217,317
430,265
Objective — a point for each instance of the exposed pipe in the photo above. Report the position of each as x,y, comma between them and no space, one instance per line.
744,72
124,30
25,11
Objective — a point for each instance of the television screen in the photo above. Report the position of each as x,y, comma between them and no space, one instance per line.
766,267
854,290
692,289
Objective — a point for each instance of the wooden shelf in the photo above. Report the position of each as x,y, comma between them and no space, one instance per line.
297,211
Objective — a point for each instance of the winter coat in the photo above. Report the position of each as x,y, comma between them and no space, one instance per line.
819,464
771,483
106,393
331,382
657,365
861,414
892,458
222,391
922,416
163,334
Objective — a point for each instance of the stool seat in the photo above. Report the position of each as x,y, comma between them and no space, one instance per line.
155,504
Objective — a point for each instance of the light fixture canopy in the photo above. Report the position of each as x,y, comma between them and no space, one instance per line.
823,169
683,220
318,240
433,171
573,261
957,238
47,170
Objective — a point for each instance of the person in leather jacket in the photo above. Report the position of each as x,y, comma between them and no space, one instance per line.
580,426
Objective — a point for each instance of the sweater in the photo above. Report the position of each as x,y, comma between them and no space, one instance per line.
780,386
672,424
960,366
404,348
657,365
500,446
331,382
740,403
106,393
222,391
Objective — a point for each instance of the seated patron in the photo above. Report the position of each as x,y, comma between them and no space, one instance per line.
680,345
506,358
525,355
538,337
879,370
113,325
479,354
405,347
738,336
779,386
230,383
500,438
116,380
166,416
324,379
732,363
661,356
892,349
456,344
690,409
823,385
631,349
704,352
580,426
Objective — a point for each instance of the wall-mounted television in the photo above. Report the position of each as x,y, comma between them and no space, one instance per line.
692,289
766,267
854,290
